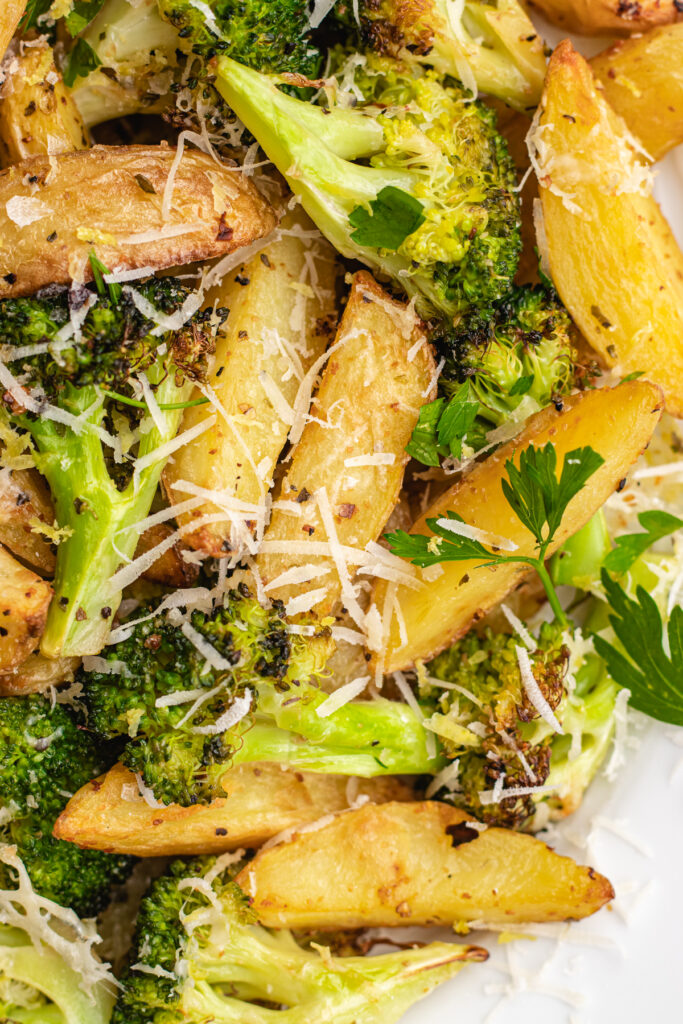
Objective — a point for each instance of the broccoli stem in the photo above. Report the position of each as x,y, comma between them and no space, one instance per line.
577,563
100,541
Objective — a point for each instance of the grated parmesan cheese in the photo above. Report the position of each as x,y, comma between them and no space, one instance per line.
376,459
342,696
533,691
491,540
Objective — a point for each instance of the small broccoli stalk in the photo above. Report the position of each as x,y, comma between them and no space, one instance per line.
237,686
235,971
80,411
489,46
45,756
403,173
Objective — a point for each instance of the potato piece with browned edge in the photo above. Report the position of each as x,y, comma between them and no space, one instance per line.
52,215
610,252
24,600
419,864
37,113
616,422
346,472
642,79
37,674
261,801
25,500
282,311
170,568
10,14
608,17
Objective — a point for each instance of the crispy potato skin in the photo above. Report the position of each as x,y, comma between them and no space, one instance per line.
37,674
370,395
24,600
642,79
621,278
261,801
25,497
170,568
10,14
616,422
608,17
272,303
416,864
218,206
37,113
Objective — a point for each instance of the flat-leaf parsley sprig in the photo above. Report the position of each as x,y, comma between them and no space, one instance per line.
538,497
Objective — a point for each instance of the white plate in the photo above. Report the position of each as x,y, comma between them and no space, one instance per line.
624,965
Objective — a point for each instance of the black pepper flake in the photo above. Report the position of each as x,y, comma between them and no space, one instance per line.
10,278
145,184
221,831
242,279
3,631
52,237
22,498
621,484
225,232
81,615
63,602
105,612
303,496
265,261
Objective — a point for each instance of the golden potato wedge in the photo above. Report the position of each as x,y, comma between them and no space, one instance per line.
10,14
170,568
611,254
37,114
616,422
37,674
642,79
52,214
24,600
608,17
379,375
282,310
419,864
25,498
262,801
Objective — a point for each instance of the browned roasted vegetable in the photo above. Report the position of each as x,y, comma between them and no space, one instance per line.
24,600
608,17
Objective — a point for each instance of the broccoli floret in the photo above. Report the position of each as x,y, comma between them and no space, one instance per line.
486,719
490,44
516,361
403,172
45,756
208,959
86,421
174,699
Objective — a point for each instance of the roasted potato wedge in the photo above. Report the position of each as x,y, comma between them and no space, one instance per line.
10,15
170,569
24,600
25,499
52,215
282,310
608,17
37,114
642,79
37,674
616,422
373,386
261,801
621,277
419,864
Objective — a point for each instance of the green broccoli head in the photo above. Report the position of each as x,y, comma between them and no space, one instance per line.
489,44
103,472
268,35
403,172
45,756
171,700
199,954
516,361
486,718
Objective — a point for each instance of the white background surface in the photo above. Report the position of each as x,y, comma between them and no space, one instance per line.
625,964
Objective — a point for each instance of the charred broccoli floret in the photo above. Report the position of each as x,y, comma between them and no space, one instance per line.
232,686
486,718
84,361
45,756
490,45
234,970
402,172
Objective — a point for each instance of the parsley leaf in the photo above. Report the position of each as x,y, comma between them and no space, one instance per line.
393,215
444,546
631,546
82,60
81,14
522,385
654,678
441,429
98,272
34,10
